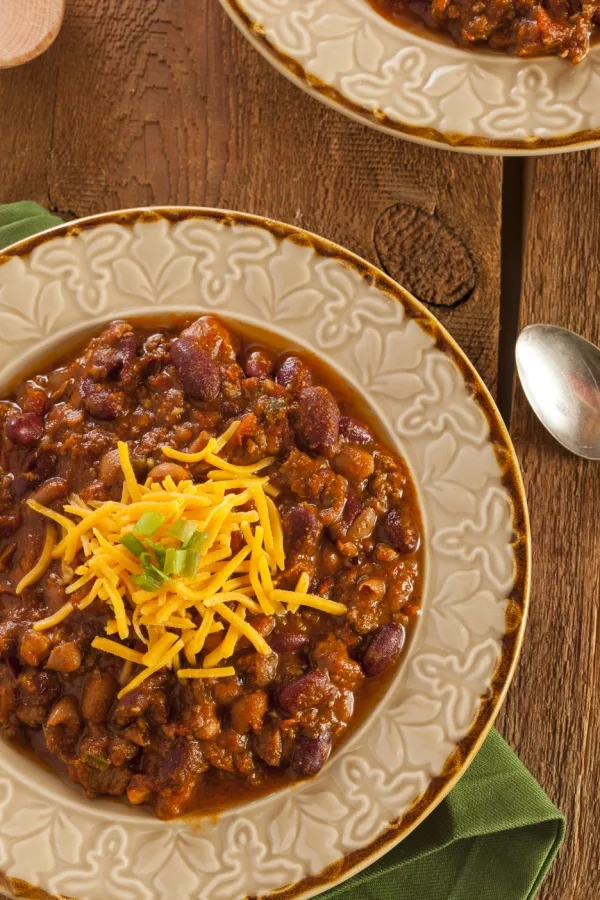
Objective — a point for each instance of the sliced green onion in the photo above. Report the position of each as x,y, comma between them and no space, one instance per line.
156,573
146,581
131,543
175,561
99,762
149,523
198,541
147,559
192,561
183,530
158,549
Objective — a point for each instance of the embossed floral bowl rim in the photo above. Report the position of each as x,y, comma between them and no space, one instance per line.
424,89
436,410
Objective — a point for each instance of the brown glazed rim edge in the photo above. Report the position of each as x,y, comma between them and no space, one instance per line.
518,605
292,69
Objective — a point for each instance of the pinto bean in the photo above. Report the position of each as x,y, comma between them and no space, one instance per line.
354,464
288,641
311,752
354,431
50,491
263,624
215,337
257,670
65,658
269,745
383,648
24,429
163,470
34,400
363,525
65,712
99,692
401,534
110,471
306,691
258,364
248,712
293,374
200,375
35,647
319,420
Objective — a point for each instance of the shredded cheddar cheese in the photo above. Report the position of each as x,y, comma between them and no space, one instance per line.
42,564
163,561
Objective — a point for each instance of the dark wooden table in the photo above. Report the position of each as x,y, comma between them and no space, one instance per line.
162,101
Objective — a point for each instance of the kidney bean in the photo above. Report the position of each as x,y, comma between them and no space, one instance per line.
200,375
288,641
50,490
258,364
20,486
114,352
131,706
293,374
302,528
98,694
24,429
354,431
401,534
306,691
319,420
42,463
311,752
383,648
101,402
65,658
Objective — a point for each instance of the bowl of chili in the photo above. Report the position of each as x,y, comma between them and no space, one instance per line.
491,77
238,560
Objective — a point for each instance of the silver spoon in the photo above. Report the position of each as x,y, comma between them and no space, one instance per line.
560,374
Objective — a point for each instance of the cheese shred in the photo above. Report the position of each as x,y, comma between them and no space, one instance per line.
164,563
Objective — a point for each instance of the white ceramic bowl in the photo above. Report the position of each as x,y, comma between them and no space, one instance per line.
434,409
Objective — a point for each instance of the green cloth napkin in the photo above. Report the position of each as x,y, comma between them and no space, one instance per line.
496,834
494,837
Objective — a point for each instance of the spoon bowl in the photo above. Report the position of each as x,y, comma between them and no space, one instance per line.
28,27
560,375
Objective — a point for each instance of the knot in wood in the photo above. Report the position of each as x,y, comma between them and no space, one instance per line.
424,255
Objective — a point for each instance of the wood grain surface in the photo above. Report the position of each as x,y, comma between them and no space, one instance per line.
552,715
162,101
